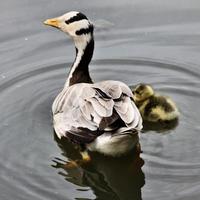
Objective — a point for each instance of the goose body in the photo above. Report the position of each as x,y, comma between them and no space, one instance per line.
99,116
154,107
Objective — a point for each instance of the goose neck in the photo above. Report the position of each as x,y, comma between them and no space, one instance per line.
79,72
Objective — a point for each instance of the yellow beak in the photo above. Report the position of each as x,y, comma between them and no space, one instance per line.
52,22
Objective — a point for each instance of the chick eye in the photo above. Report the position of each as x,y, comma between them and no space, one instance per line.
137,92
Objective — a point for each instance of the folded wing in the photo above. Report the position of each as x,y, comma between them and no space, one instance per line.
84,111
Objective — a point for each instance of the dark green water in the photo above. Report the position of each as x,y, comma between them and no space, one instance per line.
148,41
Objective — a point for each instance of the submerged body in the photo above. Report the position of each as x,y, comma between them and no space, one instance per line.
99,116
154,107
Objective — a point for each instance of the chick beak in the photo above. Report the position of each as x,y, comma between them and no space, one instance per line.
52,22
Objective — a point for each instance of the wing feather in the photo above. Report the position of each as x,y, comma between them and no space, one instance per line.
98,107
83,110
126,111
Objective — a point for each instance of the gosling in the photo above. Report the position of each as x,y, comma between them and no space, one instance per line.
154,107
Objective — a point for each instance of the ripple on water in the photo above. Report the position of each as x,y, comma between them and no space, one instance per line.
27,147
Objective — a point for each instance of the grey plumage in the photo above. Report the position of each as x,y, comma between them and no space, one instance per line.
84,106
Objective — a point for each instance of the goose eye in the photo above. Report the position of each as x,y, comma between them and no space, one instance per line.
67,22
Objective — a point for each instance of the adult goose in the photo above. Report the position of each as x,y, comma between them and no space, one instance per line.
98,116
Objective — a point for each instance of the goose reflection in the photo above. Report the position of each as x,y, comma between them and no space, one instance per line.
109,178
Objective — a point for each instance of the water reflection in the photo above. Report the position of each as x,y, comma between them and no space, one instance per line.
146,41
160,127
109,178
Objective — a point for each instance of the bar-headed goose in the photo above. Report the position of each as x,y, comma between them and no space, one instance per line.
98,116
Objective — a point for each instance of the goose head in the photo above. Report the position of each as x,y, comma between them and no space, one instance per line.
142,92
80,29
73,23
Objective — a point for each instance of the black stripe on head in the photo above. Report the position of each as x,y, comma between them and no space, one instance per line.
85,30
78,17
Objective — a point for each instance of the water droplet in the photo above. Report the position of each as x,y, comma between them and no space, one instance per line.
103,24
2,76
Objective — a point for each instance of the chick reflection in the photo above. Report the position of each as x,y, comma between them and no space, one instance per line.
109,178
160,127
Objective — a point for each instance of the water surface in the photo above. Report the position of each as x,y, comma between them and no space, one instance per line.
136,41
